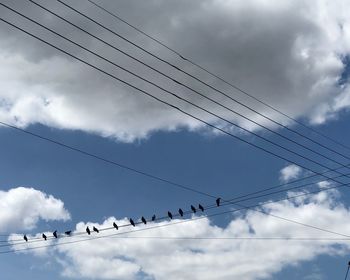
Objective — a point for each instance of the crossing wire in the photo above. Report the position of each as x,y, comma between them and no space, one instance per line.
175,223
113,14
195,78
182,99
11,24
168,77
102,70
79,59
251,207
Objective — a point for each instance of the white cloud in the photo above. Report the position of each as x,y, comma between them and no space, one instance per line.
289,54
21,209
118,258
290,172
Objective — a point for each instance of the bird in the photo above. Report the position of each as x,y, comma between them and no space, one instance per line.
25,238
143,220
153,218
95,229
170,215
181,212
193,209
132,222
88,230
44,236
55,234
115,225
68,232
201,207
218,200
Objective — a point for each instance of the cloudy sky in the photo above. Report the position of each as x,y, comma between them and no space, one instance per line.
291,55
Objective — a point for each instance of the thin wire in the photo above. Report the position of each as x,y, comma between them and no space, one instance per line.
237,238
189,114
252,207
60,34
233,238
197,79
171,79
77,58
39,38
164,180
226,202
347,272
159,226
218,77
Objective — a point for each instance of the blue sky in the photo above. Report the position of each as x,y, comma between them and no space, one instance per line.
51,95
92,190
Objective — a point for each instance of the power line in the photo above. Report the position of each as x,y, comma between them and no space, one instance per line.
209,207
63,36
226,202
347,271
71,55
81,60
158,226
233,238
182,99
162,179
195,78
252,207
173,80
217,76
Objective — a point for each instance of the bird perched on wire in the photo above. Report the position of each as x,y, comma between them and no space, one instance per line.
218,200
181,212
88,230
68,232
55,234
201,207
193,209
153,218
115,225
132,222
44,236
95,229
25,238
143,220
170,215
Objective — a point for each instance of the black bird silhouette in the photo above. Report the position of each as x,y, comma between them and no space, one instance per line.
181,212
132,222
115,225
44,236
193,209
143,220
153,218
95,229
55,234
88,230
68,232
218,200
25,238
170,215
201,207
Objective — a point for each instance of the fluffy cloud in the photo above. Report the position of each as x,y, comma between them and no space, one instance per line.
290,172
120,257
290,54
21,209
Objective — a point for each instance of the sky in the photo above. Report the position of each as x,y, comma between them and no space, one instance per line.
292,55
